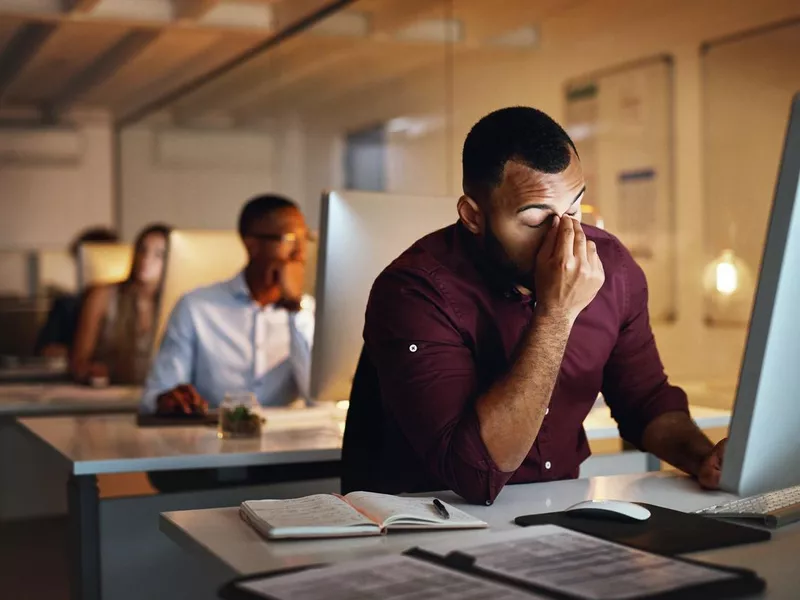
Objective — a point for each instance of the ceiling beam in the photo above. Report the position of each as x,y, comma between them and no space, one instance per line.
192,10
393,15
102,68
21,49
80,6
288,13
283,33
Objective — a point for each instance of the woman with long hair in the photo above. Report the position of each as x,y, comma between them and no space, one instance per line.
115,331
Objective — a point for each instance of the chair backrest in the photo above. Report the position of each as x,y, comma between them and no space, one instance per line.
363,433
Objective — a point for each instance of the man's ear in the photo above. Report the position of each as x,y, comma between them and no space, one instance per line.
251,247
471,214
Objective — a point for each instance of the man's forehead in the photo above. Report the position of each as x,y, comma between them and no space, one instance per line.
522,184
281,218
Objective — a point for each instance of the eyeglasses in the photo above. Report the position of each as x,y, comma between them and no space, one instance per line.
288,239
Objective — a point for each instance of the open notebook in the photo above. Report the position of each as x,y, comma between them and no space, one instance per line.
356,514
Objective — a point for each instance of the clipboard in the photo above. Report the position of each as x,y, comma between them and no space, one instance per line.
742,582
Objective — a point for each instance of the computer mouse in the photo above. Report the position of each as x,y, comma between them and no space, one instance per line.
609,510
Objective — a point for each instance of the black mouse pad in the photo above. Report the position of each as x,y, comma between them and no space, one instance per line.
668,532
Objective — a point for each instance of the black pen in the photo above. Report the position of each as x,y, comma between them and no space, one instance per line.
440,508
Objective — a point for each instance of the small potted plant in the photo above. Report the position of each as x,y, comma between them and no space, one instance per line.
239,417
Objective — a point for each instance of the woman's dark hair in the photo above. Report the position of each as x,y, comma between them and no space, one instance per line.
154,228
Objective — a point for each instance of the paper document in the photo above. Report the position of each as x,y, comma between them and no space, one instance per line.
383,578
576,564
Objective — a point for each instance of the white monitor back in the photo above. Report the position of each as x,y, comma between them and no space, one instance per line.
763,451
361,233
103,262
197,259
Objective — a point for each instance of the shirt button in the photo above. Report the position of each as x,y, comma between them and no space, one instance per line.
412,348
547,465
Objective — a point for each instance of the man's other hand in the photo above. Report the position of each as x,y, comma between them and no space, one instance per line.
183,400
711,469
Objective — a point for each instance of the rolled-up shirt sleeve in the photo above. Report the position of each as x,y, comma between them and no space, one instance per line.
635,385
428,381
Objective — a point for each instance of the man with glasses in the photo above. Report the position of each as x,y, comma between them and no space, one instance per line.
252,333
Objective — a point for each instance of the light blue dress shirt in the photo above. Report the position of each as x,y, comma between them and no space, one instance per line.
220,340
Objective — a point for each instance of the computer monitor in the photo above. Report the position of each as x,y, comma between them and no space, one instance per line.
103,263
361,233
200,258
763,452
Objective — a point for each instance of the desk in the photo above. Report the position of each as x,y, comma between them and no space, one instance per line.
46,399
221,536
41,400
33,372
103,444
600,426
108,444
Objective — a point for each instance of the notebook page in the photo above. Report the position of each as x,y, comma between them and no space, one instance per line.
319,510
382,578
583,566
388,509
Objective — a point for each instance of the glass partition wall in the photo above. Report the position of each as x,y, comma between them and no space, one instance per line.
678,116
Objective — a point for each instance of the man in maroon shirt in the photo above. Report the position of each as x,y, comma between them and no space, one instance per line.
487,342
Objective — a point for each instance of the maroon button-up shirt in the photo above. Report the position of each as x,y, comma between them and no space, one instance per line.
441,329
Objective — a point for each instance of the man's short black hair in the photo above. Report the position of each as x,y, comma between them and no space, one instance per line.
520,134
259,207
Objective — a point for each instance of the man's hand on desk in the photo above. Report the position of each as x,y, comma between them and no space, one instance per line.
184,399
675,438
711,469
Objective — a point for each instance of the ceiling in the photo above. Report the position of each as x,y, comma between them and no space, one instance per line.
237,58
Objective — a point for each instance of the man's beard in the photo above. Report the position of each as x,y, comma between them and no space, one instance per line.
501,261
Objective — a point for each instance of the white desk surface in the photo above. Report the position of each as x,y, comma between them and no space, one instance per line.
37,399
35,372
223,536
115,444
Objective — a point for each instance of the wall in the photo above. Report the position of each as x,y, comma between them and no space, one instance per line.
200,178
591,37
54,182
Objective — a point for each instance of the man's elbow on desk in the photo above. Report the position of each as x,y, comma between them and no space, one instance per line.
470,472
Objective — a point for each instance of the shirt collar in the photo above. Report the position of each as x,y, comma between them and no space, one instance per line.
238,287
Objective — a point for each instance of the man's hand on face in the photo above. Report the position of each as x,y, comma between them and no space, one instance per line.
711,469
289,275
183,400
568,271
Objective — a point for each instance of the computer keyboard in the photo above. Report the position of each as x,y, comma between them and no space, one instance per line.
773,509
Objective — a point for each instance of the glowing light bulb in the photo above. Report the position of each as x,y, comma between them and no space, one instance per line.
727,275
727,278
